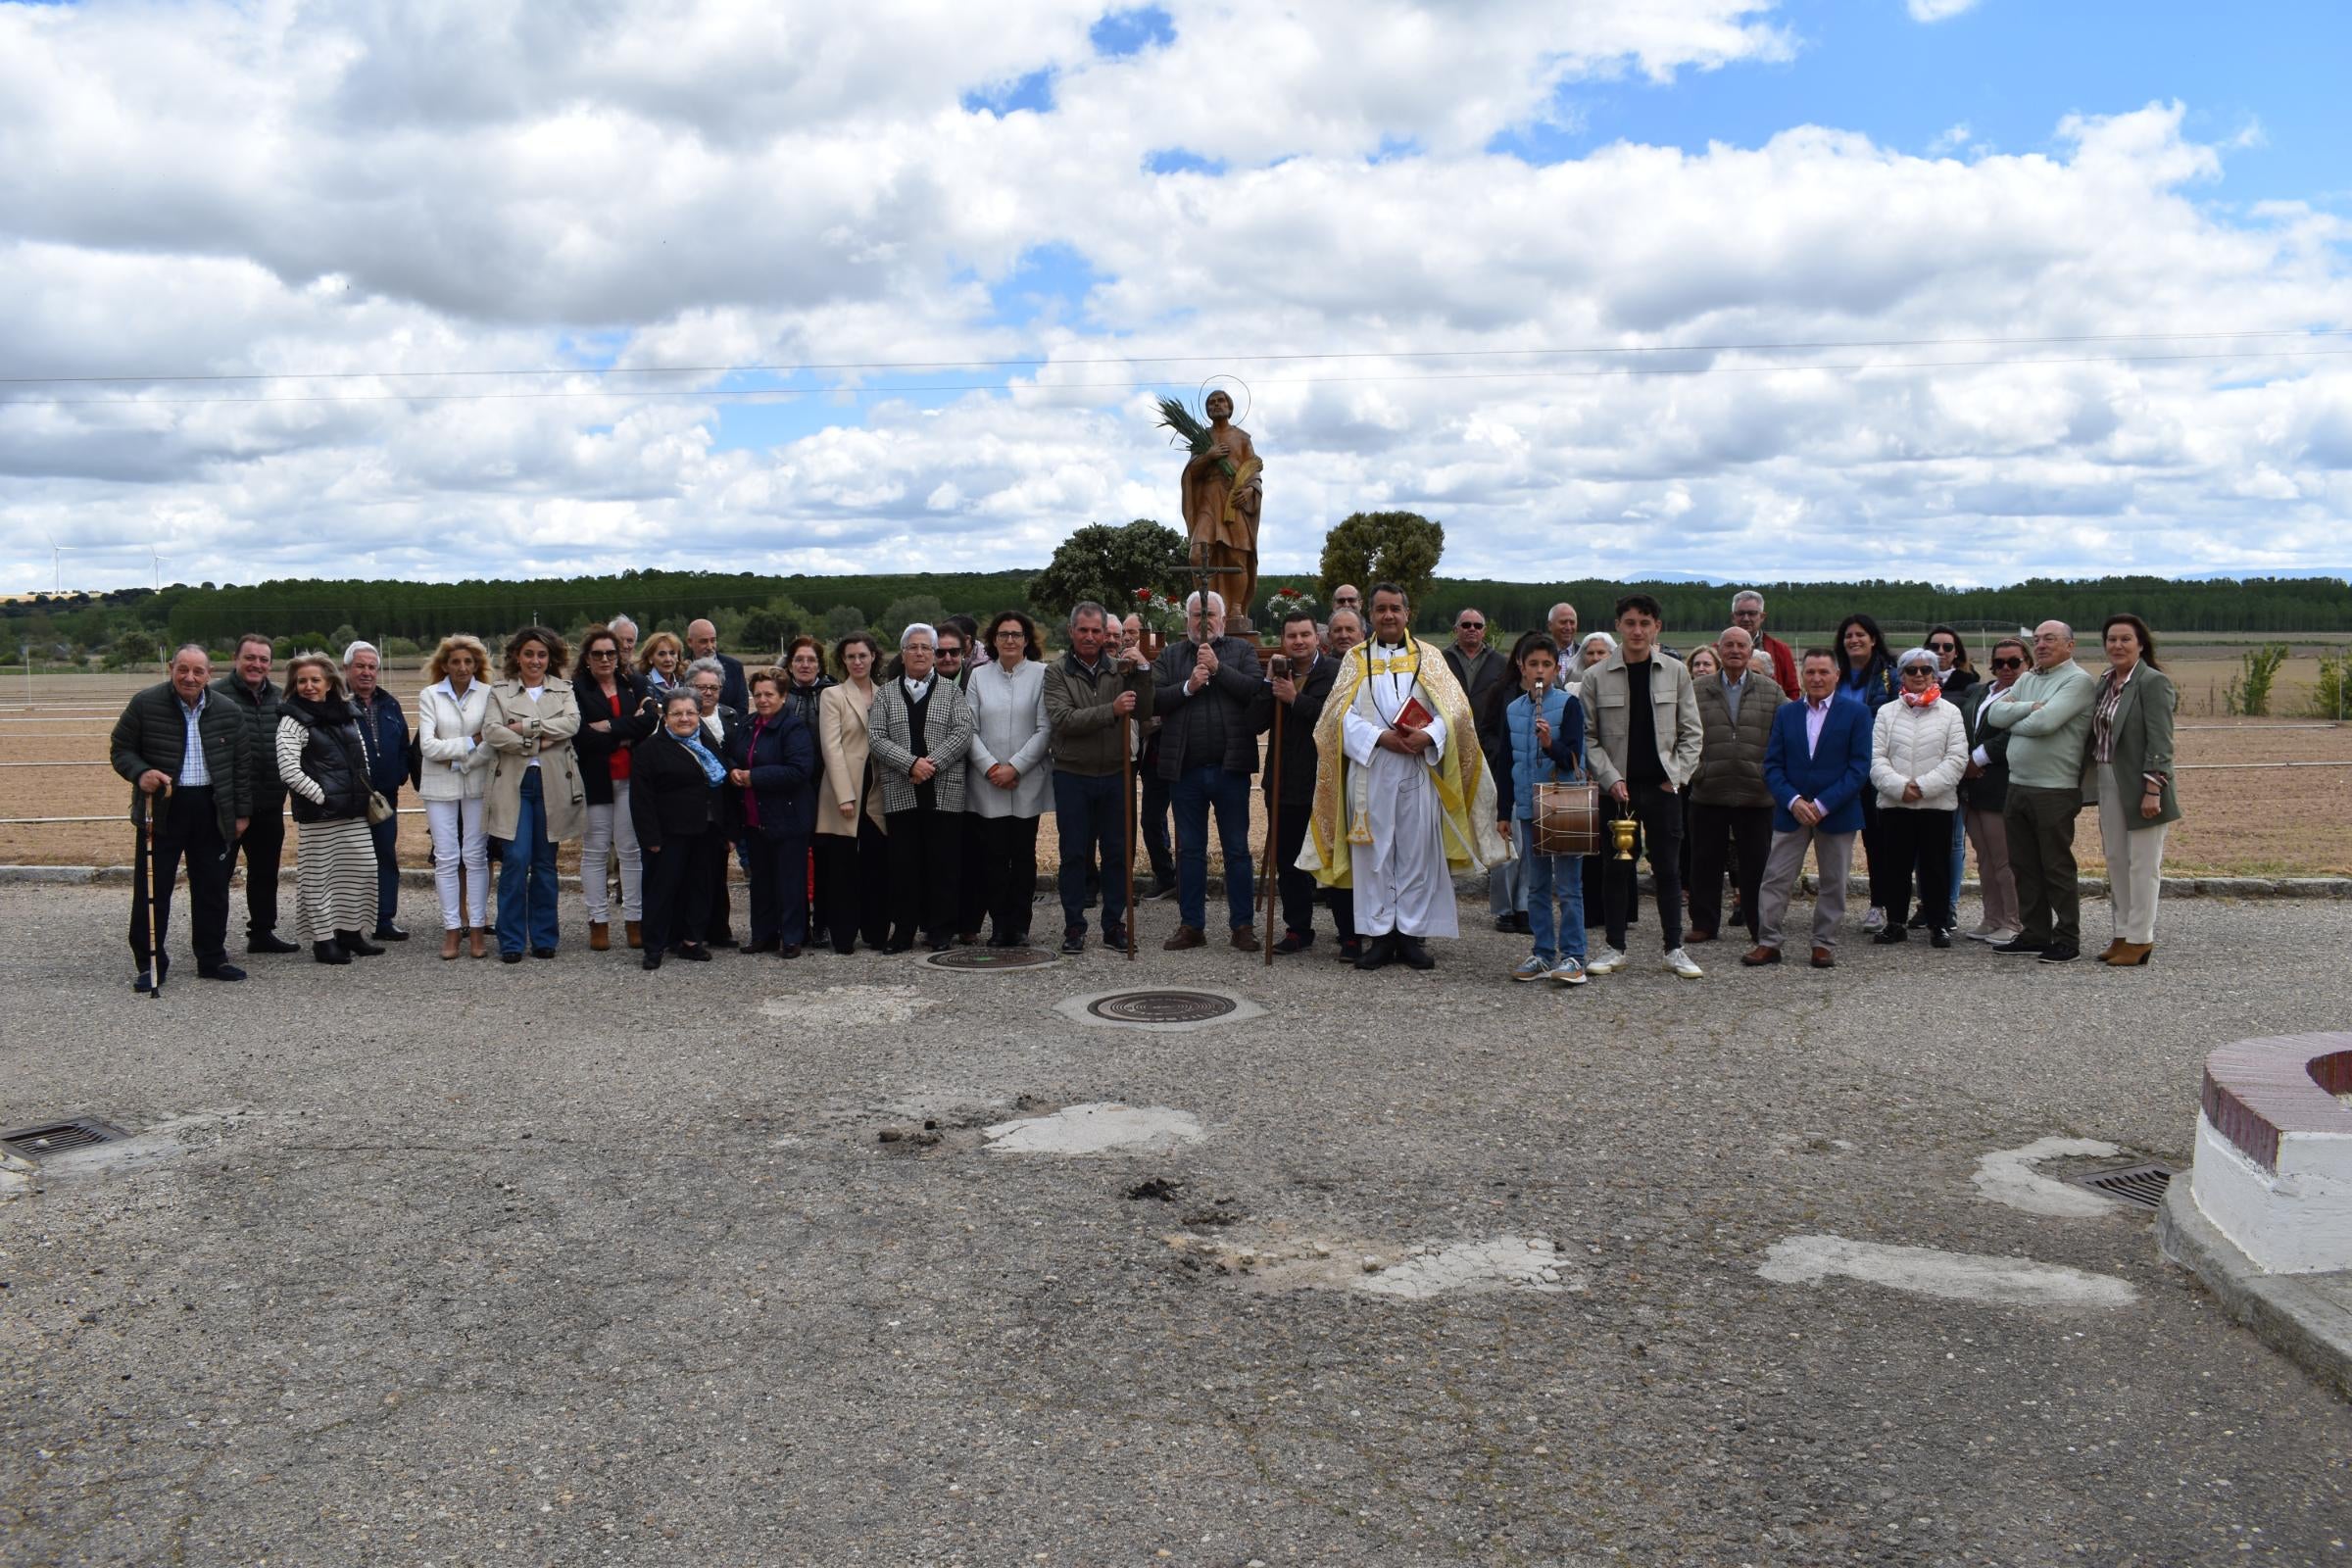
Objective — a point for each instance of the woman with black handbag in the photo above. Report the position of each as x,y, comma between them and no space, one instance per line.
673,798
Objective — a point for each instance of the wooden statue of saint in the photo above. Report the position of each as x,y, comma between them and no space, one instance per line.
1222,488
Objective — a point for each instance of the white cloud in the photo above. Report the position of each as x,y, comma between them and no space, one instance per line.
1939,10
283,192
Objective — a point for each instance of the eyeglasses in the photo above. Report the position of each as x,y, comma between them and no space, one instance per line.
1470,625
1921,670
2008,664
1943,647
604,653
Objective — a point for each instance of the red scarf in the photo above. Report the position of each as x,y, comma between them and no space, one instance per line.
1924,699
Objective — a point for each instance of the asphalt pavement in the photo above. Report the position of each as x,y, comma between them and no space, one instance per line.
567,1264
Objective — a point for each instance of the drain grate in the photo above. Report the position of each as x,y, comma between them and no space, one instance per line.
55,1136
1161,1006
990,959
2141,1186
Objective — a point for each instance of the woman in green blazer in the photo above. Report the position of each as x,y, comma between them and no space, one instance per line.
2129,763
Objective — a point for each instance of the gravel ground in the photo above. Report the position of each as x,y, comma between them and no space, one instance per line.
566,1263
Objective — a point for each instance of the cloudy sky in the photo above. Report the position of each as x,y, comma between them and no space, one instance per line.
1965,289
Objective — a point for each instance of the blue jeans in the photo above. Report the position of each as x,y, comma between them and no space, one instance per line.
386,835
1087,823
1195,791
526,875
1547,877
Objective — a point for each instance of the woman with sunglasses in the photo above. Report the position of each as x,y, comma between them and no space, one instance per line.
612,720
1985,790
1866,674
1918,752
1954,676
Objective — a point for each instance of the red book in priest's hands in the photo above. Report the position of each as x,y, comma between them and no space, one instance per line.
1414,717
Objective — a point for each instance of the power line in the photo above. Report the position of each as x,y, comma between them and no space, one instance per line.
811,366
775,393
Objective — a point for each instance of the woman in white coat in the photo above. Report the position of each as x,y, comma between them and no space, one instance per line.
1008,782
1919,749
456,771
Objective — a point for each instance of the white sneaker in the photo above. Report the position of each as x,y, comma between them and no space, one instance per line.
1609,962
1679,963
1531,967
1875,921
1983,932
1569,972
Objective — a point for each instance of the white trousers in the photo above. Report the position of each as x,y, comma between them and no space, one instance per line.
457,827
612,831
2134,859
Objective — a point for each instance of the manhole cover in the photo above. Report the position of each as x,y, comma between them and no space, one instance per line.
990,959
55,1136
2142,1185
1161,1006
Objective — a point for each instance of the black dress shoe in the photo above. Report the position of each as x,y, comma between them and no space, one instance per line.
271,942
1939,937
163,971
1918,922
763,944
219,971
357,945
1891,936
1506,922
650,961
504,957
543,953
328,953
1523,925
1415,956
1293,942
1073,939
1004,939
894,945
2020,948
1378,950
788,950
939,944
696,952
2060,955
725,938
1351,950
386,931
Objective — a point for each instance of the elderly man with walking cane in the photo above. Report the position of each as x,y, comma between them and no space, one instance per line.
188,754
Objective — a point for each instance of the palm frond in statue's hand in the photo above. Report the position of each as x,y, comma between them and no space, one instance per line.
1174,415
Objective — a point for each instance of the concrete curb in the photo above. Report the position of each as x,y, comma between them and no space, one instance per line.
1466,883
2305,1317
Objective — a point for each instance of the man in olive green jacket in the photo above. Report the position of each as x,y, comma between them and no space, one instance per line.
2048,715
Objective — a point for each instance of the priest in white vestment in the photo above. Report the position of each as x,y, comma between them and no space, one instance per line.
1403,797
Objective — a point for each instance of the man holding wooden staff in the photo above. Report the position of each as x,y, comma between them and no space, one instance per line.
1092,693
179,743
1295,698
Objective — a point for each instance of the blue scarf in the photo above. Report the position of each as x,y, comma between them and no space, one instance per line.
712,768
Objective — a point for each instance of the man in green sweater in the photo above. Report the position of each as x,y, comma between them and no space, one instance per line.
2048,715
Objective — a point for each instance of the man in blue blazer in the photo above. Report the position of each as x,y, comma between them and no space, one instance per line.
1817,764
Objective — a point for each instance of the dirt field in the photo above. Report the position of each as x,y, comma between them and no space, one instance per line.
2238,819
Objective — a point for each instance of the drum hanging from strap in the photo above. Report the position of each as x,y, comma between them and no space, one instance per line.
1568,819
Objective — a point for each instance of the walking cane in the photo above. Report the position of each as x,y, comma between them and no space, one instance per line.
1274,813
155,951
1127,798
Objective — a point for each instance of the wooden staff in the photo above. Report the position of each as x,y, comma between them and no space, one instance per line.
155,951
1127,798
1274,817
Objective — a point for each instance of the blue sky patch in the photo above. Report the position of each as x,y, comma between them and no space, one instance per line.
1117,34
1034,92
1180,160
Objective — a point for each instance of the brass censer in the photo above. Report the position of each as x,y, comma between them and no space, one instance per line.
1622,830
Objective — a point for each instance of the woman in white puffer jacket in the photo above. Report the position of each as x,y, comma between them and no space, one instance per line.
1918,751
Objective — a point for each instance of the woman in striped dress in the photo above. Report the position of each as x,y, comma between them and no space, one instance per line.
325,774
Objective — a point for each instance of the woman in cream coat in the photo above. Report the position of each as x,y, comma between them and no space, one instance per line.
456,768
1918,751
1008,783
852,860
2129,760
536,798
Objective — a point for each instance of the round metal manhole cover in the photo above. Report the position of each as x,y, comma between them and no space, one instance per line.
1161,1006
990,959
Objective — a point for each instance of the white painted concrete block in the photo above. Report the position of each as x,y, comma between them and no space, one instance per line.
2295,1220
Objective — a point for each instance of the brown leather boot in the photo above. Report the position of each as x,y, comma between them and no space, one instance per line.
480,948
600,935
635,935
1187,936
1245,937
449,943
2113,947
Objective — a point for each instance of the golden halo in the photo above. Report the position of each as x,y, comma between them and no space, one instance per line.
1216,383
